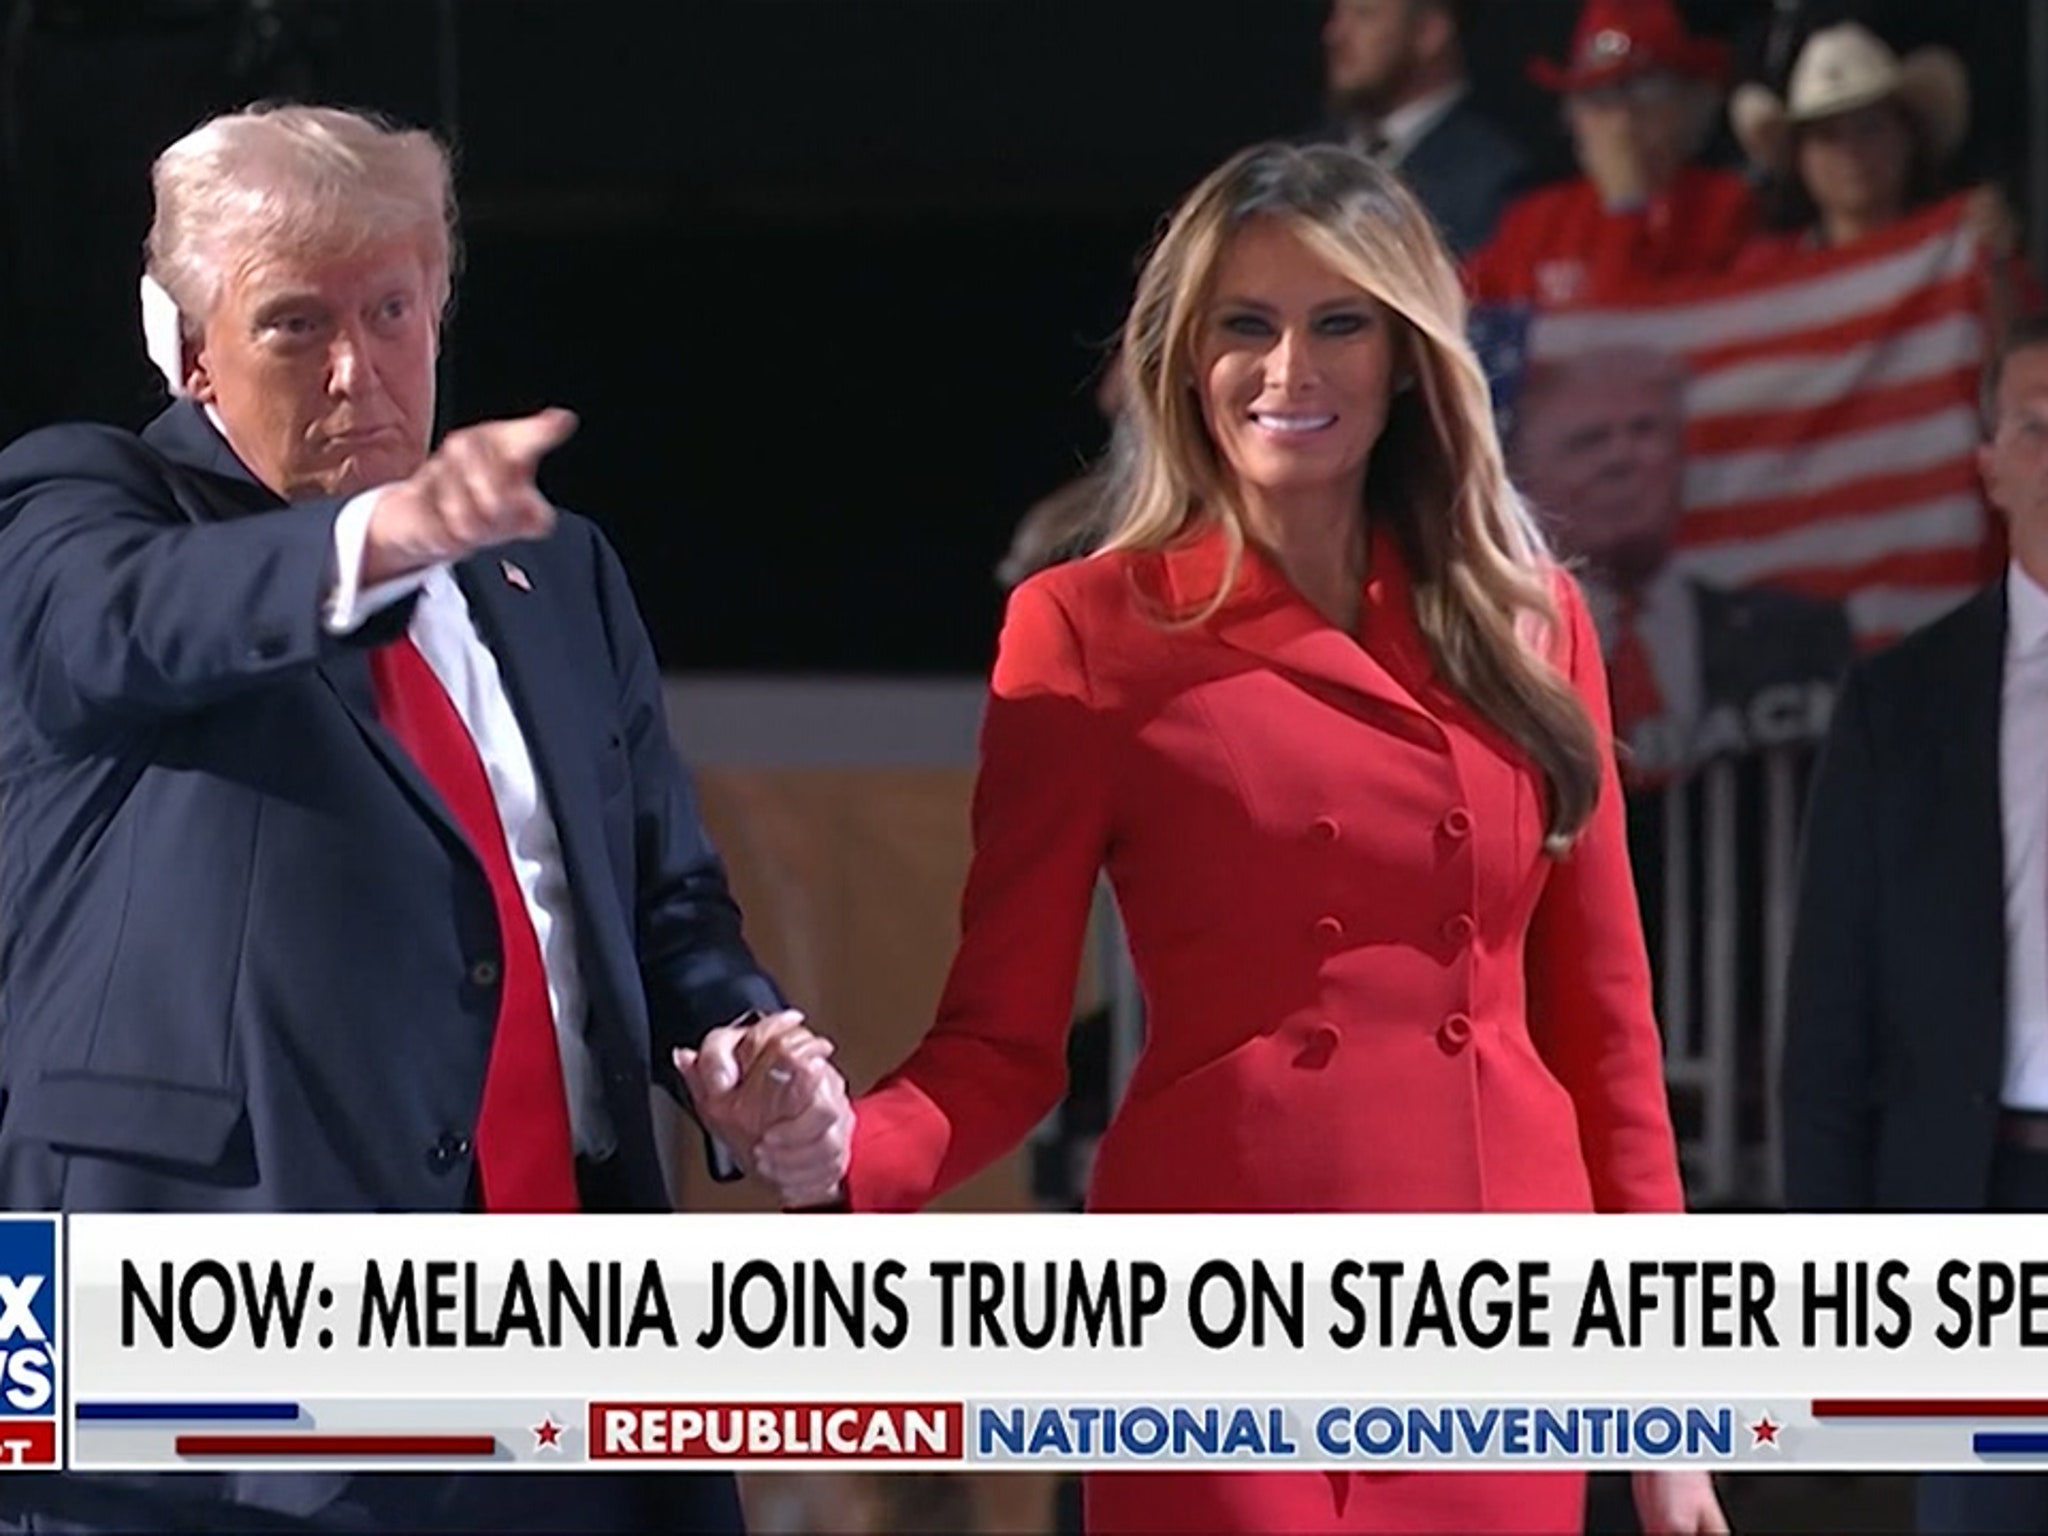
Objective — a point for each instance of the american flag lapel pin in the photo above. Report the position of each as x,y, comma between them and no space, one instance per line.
515,576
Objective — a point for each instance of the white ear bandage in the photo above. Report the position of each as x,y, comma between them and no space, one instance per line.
160,334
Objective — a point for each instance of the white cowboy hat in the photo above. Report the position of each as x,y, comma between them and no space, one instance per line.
1845,67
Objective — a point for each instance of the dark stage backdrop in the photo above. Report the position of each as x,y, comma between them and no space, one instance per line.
826,278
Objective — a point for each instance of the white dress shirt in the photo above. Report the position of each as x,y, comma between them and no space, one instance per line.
446,636
2023,804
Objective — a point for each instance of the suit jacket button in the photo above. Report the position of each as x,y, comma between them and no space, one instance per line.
1329,929
1454,1034
484,973
1325,829
447,1153
1457,822
1459,930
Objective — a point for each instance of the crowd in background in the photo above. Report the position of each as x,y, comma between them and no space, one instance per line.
1854,139
1843,148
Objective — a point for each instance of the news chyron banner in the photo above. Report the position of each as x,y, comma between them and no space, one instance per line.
1745,1343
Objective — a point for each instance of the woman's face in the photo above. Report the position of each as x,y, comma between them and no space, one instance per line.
1296,368
1856,165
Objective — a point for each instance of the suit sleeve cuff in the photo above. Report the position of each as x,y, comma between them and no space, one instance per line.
724,1167
351,604
728,1001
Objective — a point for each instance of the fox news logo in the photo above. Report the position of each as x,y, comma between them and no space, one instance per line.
28,1342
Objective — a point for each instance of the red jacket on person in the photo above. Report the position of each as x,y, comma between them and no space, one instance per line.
1558,248
1367,988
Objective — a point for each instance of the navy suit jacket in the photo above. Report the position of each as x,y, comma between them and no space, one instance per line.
1895,1002
1465,171
247,958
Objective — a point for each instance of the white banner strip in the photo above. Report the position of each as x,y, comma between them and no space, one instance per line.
491,1342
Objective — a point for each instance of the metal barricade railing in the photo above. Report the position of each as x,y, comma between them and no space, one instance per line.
1725,843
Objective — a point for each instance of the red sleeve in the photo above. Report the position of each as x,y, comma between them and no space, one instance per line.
1589,981
995,1062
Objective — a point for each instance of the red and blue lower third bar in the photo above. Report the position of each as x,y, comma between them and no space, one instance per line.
288,1444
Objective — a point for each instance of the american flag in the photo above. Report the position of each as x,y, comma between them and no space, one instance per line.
1832,417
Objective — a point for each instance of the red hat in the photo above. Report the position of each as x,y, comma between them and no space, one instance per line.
1619,39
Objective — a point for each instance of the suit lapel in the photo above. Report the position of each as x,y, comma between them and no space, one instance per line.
1965,802
347,674
1265,617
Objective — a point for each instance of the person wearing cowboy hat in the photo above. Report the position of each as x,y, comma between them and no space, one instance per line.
1639,94
1859,136
1860,139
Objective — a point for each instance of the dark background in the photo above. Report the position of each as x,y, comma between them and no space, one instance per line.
827,279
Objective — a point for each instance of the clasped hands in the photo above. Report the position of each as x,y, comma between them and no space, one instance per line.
767,1089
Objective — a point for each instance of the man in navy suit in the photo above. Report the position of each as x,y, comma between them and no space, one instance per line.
347,863
1916,1014
1395,72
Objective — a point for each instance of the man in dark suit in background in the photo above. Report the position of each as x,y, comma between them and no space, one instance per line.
347,863
1697,670
1916,1053
1395,73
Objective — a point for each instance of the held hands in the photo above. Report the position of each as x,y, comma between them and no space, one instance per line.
476,490
1679,1503
769,1091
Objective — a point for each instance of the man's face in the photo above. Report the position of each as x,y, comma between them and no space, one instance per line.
1600,448
2015,461
1648,112
1369,49
322,368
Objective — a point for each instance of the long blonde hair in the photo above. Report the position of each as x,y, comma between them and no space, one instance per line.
1483,571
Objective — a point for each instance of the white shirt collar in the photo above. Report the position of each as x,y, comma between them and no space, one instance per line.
2026,612
1407,125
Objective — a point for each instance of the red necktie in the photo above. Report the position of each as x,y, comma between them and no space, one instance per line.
525,1158
1630,677
1632,684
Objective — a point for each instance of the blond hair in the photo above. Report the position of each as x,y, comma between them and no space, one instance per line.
288,179
1484,573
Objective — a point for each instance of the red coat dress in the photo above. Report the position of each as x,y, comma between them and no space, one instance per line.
1366,988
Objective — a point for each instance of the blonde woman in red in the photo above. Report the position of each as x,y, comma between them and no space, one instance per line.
1333,718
